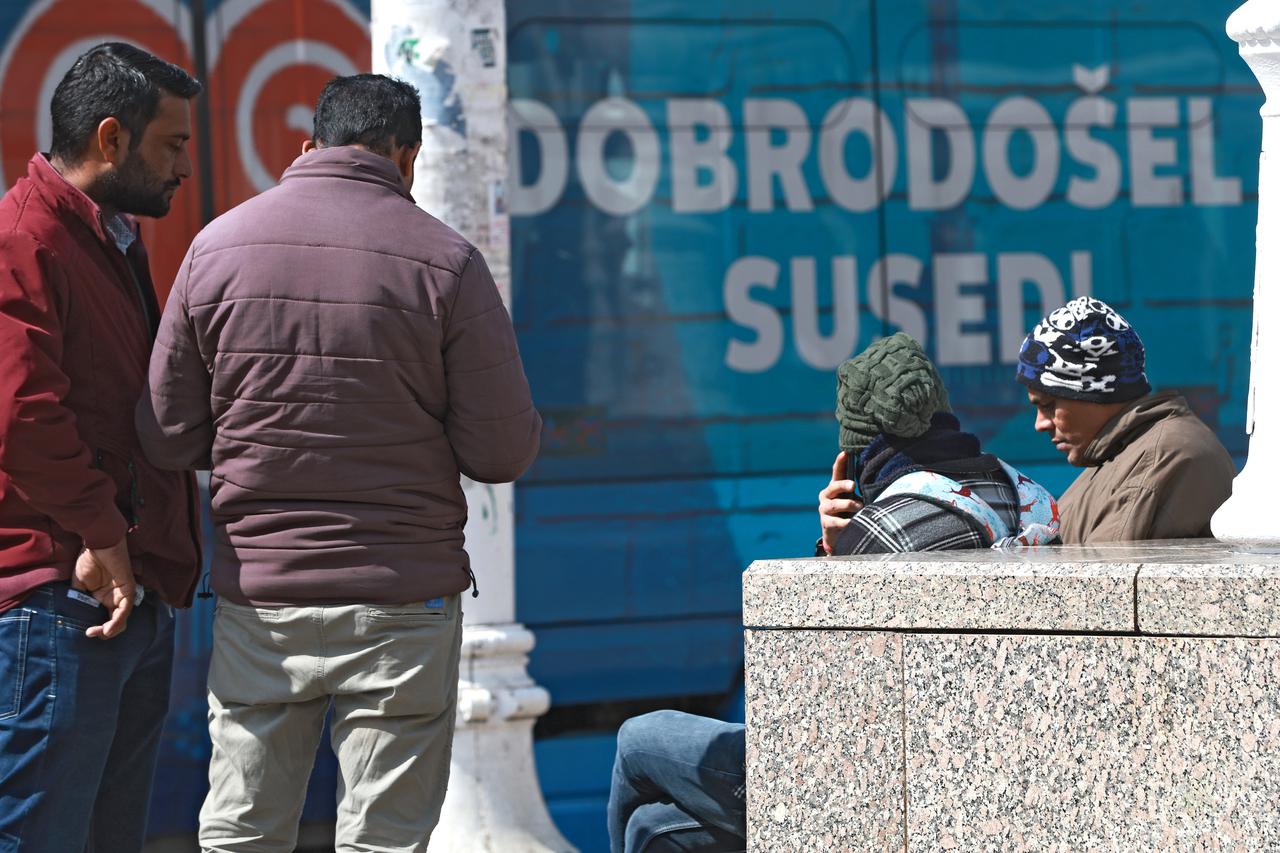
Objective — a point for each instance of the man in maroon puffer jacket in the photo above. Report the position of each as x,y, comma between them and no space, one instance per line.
85,520
340,357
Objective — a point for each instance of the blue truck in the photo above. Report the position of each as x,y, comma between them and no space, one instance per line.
713,204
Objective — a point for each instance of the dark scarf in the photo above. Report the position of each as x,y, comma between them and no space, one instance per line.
889,457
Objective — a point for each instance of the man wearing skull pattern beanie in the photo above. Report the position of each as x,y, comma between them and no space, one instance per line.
1153,470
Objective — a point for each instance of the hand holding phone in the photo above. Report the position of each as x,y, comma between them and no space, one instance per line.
837,502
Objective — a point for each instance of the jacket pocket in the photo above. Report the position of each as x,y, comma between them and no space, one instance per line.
117,463
163,517
166,528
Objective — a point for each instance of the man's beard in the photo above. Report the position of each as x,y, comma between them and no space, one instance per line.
133,188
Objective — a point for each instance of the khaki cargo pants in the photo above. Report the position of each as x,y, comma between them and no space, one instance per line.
391,676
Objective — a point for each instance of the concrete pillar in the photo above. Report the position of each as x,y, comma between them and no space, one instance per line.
454,51
1246,519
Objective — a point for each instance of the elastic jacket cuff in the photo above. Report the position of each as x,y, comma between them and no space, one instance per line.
108,529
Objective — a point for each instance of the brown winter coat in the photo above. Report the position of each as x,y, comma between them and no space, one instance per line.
1154,471
339,356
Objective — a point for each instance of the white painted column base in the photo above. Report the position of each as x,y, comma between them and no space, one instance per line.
1247,520
494,803
454,51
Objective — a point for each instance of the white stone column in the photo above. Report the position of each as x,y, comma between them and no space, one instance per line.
1248,519
454,51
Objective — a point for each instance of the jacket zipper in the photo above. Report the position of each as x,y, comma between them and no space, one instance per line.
135,499
193,525
147,322
123,257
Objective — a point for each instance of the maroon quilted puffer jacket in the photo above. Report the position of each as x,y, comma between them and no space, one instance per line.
338,357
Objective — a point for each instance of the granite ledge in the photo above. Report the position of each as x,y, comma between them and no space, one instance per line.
1192,587
1236,598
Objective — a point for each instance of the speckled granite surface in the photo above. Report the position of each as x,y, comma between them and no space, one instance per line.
1170,587
824,741
1240,597
1100,743
1073,722
1001,591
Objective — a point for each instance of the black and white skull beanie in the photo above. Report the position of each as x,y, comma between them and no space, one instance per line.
1085,351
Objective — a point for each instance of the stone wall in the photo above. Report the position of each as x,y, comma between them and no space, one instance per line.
1079,698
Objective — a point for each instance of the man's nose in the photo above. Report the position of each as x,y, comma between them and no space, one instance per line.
1043,424
182,169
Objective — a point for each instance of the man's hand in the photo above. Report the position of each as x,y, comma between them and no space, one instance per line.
836,504
107,575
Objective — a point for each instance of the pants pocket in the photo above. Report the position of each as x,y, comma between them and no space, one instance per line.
411,656
246,612
407,620
14,627
407,617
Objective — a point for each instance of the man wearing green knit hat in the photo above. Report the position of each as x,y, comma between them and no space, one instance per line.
919,484
890,387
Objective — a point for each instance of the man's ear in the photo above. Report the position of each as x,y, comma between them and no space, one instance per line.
405,157
309,145
113,140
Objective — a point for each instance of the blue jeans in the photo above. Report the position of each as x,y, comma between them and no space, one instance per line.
679,784
80,723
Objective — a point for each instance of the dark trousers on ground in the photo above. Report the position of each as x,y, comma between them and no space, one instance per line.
80,723
679,784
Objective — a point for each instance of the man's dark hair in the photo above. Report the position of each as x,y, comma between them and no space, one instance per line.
117,80
378,112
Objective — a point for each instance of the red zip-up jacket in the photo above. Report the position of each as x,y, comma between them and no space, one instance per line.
77,320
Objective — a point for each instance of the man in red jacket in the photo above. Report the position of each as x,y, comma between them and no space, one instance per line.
91,534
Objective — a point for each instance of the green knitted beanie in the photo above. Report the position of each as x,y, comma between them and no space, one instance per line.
890,387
